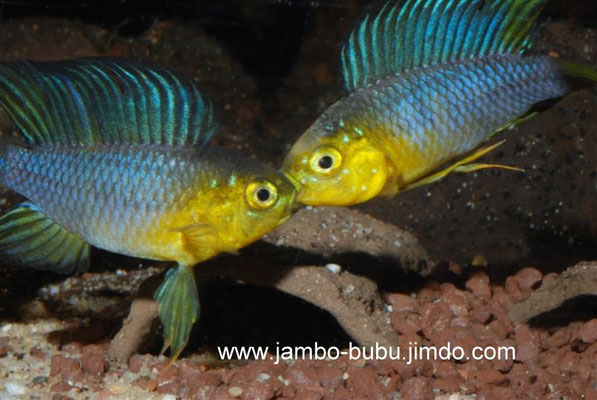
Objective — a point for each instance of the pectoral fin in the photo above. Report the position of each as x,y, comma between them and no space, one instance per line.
203,237
464,165
28,237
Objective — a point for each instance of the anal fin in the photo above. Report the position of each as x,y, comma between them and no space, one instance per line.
30,238
463,165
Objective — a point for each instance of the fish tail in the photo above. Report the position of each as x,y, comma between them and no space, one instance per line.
178,307
578,70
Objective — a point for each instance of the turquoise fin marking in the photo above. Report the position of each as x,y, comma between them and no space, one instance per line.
178,307
29,238
409,34
104,101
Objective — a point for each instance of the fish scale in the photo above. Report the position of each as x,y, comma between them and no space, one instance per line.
81,189
491,90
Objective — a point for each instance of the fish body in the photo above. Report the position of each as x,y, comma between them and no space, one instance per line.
429,81
116,155
133,200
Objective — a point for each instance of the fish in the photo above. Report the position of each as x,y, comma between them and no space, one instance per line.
115,154
428,82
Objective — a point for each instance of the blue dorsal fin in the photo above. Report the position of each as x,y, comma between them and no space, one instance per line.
104,101
409,34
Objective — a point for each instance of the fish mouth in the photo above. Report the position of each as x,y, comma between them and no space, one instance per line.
296,184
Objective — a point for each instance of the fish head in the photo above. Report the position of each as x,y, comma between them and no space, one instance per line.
249,200
269,201
341,165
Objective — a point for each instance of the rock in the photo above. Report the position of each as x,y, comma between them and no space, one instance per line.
402,302
527,346
588,332
417,388
478,285
93,360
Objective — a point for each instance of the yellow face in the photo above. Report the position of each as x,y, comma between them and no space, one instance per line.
235,210
341,168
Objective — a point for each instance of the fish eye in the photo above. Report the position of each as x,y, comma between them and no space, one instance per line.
326,160
261,194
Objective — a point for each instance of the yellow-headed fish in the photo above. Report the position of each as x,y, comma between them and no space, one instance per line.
116,156
428,81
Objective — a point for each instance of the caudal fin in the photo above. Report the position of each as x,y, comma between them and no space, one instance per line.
578,70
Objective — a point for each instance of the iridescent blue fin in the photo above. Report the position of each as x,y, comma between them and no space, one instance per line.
104,101
178,307
28,237
408,34
463,165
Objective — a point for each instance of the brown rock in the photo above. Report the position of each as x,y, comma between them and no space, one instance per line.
514,291
58,396
568,363
551,276
501,298
305,395
221,393
503,358
302,374
67,367
61,386
444,369
405,322
460,322
393,383
490,377
588,332
37,353
433,319
478,285
402,302
73,348
527,345
456,299
365,381
417,388
446,385
146,383
584,371
577,387
138,361
500,329
560,338
264,390
92,360
426,295
499,392
330,378
480,314
528,278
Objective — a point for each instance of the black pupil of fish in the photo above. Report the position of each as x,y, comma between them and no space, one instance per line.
263,194
325,162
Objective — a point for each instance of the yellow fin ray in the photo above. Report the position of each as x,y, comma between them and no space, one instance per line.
465,165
